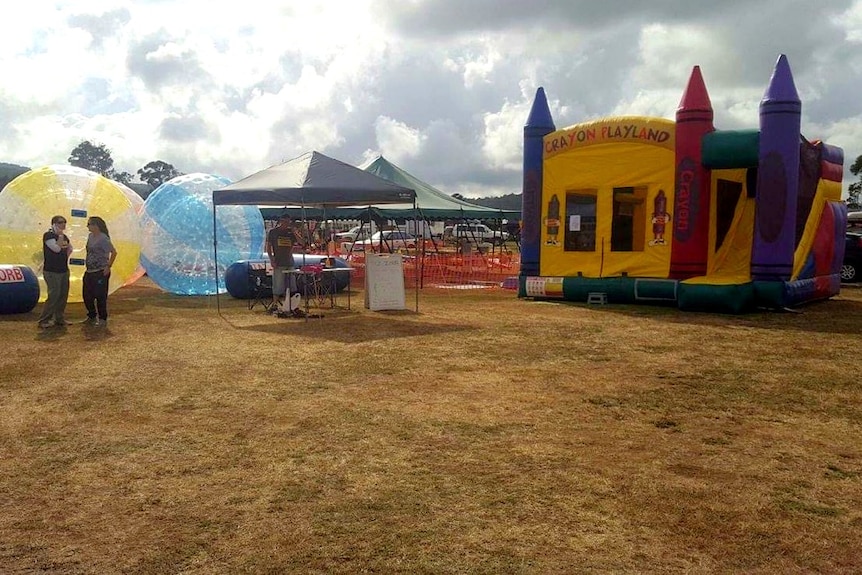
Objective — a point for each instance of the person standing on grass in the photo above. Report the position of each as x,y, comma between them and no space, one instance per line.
279,246
100,257
56,249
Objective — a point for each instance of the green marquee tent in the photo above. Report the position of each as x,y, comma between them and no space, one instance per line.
431,202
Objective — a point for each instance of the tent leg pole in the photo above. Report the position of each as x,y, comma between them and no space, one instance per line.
416,269
215,262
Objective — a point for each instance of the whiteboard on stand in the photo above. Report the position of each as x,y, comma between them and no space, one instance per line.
384,282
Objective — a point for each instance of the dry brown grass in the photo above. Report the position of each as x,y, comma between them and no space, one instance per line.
483,435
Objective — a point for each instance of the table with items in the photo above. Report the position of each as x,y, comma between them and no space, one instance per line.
316,284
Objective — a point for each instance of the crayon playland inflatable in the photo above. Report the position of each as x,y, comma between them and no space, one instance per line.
647,210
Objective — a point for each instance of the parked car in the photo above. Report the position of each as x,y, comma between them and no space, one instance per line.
851,270
474,233
353,234
386,241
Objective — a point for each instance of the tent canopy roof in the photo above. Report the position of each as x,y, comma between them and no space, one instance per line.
313,179
431,202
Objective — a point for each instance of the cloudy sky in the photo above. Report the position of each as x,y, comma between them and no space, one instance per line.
440,87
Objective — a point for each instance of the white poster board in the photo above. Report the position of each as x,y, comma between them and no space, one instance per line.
384,282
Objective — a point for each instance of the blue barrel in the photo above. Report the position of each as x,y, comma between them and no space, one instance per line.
244,277
19,289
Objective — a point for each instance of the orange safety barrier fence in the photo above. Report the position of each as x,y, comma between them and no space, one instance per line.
441,268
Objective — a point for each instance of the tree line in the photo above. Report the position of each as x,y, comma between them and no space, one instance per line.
97,158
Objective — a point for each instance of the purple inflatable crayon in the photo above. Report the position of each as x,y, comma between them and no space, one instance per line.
777,178
538,125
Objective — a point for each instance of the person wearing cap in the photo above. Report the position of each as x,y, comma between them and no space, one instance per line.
56,249
280,242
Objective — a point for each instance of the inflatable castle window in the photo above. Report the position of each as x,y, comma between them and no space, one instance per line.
648,210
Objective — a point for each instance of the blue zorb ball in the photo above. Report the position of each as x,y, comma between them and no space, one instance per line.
177,235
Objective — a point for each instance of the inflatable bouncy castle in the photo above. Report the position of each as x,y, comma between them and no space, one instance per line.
647,210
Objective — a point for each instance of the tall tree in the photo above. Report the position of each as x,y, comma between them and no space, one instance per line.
855,190
93,157
122,177
97,158
157,173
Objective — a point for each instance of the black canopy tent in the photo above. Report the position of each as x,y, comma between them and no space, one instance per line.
311,180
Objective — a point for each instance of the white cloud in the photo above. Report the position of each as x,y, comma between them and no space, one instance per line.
397,141
475,65
500,149
444,87
851,22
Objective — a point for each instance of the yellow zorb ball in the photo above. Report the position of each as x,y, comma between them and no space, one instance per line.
138,205
28,203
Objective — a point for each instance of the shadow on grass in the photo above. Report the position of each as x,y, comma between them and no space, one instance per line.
836,316
89,332
28,317
350,328
51,333
96,333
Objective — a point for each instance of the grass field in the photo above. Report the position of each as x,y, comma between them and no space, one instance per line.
484,434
